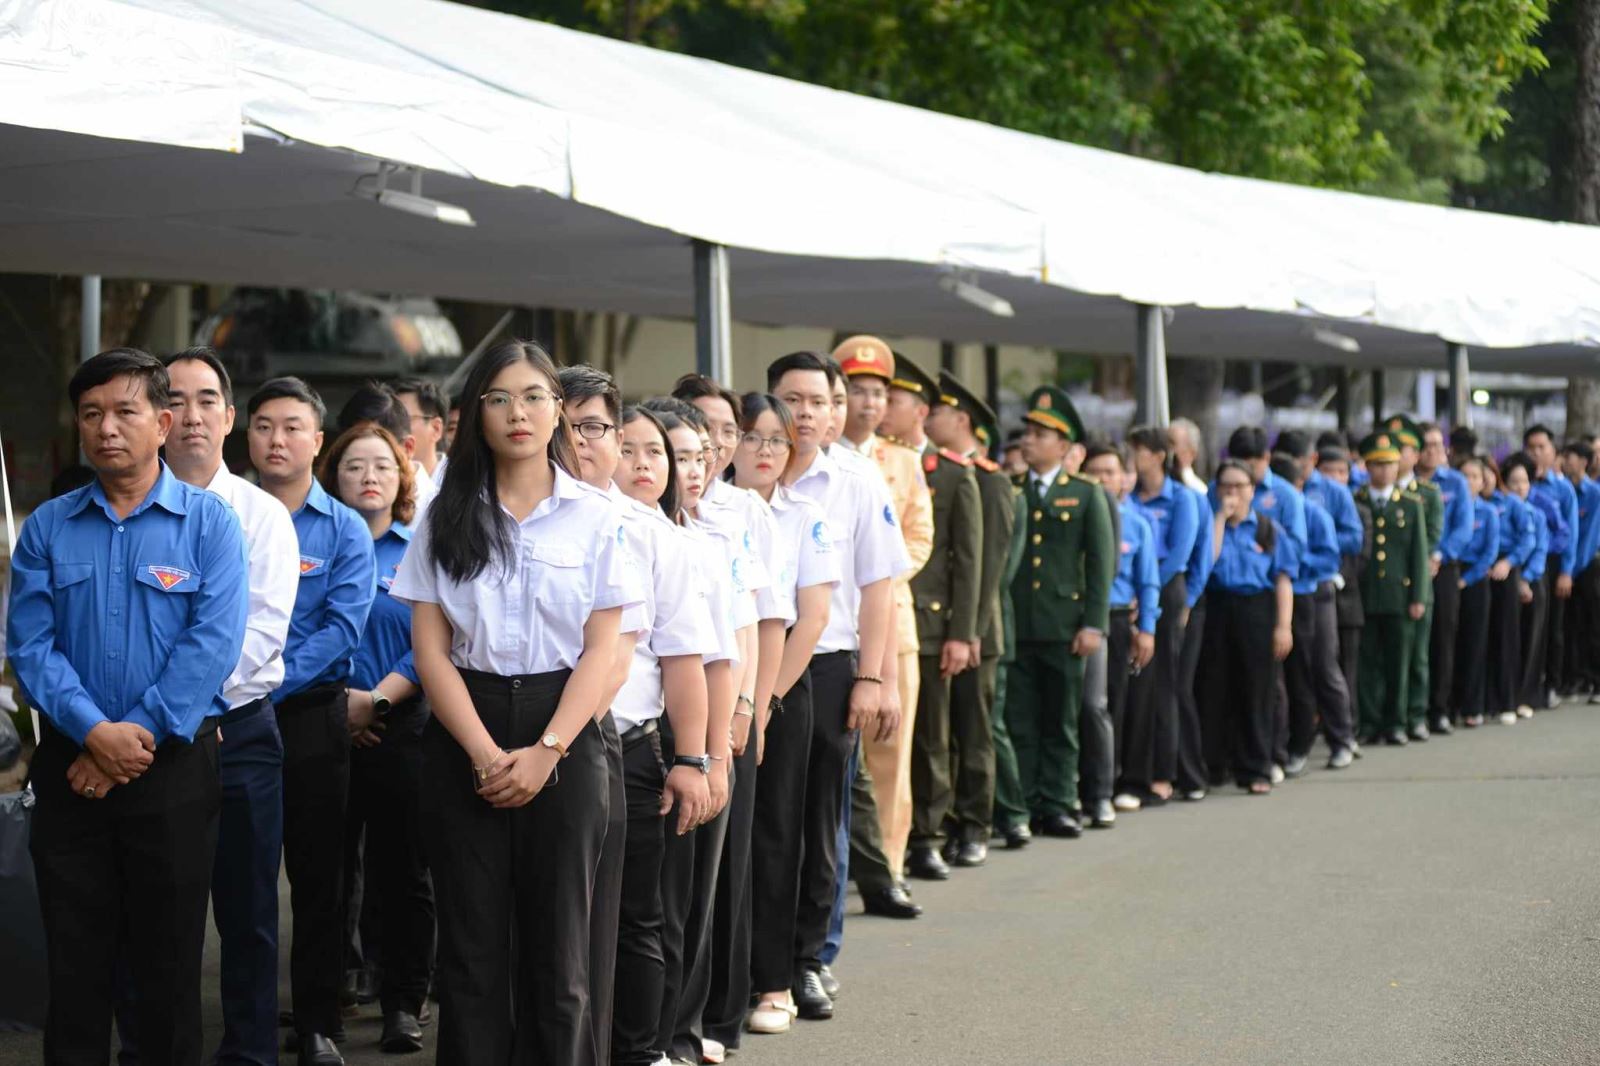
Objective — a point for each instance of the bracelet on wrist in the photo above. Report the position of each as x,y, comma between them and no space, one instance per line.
869,679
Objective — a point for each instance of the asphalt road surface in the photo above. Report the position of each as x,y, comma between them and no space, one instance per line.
1436,904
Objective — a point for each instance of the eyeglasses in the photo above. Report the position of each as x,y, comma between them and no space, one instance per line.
593,430
754,441
500,401
1233,486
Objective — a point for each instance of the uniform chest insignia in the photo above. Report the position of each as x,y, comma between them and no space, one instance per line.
1268,501
819,536
387,581
168,576
888,514
1127,547
309,565
1067,501
930,462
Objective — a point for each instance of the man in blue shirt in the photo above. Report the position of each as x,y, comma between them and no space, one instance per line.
338,575
1333,467
127,613
1274,497
1432,465
1583,628
1556,492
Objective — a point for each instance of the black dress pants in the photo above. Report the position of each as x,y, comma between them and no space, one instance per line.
729,995
513,886
1584,658
1119,680
832,677
1470,695
1535,622
1555,632
1165,674
1442,640
605,909
316,790
1503,639
777,840
126,875
1237,679
1191,774
640,964
1313,677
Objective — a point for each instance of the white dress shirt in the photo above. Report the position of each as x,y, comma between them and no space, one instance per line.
866,534
724,504
675,615
426,490
525,615
719,546
274,581
806,555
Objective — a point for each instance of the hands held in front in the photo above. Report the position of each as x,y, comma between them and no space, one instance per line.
121,750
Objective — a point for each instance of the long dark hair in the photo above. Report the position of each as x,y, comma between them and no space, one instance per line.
466,527
671,498
752,405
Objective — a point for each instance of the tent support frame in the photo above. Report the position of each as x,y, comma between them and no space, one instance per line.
1460,385
1150,365
713,323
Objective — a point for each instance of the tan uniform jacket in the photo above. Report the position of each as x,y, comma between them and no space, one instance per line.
913,505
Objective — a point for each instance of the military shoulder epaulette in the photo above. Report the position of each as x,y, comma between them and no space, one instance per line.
955,457
1085,480
897,442
1411,494
985,463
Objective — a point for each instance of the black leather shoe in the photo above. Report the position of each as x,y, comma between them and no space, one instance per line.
1102,814
318,1050
1441,727
951,848
1061,825
809,998
402,1033
1395,738
926,864
1018,836
830,983
890,902
972,853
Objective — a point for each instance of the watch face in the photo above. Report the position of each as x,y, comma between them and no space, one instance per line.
551,740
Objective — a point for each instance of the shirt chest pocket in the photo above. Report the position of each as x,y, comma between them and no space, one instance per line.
165,593
72,588
557,574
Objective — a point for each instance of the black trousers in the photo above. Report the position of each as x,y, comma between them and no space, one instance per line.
1584,635
932,790
1350,662
1119,683
1097,737
126,876
1191,773
386,803
866,865
1555,632
1237,679
832,676
690,867
316,790
1442,640
972,751
1312,675
514,886
777,840
1535,621
605,908
729,995
1470,696
1165,672
640,963
1503,641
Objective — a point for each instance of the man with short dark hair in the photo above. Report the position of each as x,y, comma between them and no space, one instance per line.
1558,497
1583,624
128,605
426,412
1454,540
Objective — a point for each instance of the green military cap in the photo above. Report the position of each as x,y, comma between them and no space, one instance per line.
1380,447
909,377
1403,429
957,395
1052,408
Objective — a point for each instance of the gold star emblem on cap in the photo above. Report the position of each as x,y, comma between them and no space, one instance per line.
1044,402
866,355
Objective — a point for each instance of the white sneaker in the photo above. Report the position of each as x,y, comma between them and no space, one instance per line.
1277,774
1508,718
1126,801
1524,711
712,1051
772,1016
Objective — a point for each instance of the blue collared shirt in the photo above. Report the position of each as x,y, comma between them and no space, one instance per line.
1547,509
1282,502
1244,567
1174,518
1459,506
1321,561
1138,578
337,584
386,641
1556,490
1338,501
1198,571
1483,547
1588,493
138,619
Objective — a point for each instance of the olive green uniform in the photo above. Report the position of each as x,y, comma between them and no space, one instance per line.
1394,576
1010,802
1417,684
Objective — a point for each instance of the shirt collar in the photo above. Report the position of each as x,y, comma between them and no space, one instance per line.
166,492
822,464
398,530
1046,480
318,499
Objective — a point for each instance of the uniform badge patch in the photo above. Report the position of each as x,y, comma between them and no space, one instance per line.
888,514
819,536
1067,501
169,576
308,565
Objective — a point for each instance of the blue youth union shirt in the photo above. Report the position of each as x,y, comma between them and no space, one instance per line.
1282,502
1198,572
1174,517
1459,508
386,641
1244,567
1321,560
1137,579
138,619
1337,500
338,573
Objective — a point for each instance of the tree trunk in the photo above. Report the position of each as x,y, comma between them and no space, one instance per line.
1195,388
1583,393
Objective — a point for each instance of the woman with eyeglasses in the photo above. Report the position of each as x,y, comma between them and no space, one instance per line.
518,580
367,470
1249,620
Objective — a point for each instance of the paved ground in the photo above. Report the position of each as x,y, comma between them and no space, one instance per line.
1434,905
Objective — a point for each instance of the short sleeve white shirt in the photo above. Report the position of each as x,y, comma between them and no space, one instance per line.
805,552
274,582
426,490
730,610
760,530
525,615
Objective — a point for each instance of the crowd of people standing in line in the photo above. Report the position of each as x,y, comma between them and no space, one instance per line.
578,718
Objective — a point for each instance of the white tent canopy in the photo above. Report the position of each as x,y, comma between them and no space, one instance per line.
218,139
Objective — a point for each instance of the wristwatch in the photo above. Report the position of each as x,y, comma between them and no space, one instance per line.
699,762
550,740
380,704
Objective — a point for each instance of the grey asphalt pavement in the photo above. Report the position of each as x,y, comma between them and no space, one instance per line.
1431,905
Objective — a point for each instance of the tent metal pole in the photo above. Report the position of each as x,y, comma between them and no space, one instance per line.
1341,397
1150,365
1377,396
991,378
713,328
1460,386
947,356
89,320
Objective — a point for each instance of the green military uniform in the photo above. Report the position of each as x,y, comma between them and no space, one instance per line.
972,692
1394,576
1063,586
1010,802
1417,685
945,596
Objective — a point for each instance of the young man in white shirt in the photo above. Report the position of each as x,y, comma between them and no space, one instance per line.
425,407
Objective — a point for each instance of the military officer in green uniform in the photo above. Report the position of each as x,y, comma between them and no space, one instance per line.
1408,439
1011,814
945,596
1061,600
961,423
1396,588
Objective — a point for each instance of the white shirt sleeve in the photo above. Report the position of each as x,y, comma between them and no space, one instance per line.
719,600
819,557
418,578
616,582
880,546
274,583
683,624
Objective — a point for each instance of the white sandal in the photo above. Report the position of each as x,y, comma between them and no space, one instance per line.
772,1016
